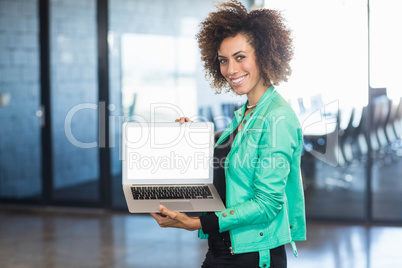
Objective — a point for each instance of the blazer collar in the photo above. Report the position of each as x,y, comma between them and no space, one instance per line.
268,95
239,113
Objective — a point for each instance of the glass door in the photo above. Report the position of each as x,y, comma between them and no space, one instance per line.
386,127
155,71
20,112
328,91
74,101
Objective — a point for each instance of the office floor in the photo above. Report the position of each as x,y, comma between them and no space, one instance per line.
49,238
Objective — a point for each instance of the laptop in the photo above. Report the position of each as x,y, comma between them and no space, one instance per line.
169,164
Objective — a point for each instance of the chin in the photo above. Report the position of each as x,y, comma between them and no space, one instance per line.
239,91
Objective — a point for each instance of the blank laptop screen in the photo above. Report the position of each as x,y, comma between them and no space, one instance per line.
168,152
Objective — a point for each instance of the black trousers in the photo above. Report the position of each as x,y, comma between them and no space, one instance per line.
219,256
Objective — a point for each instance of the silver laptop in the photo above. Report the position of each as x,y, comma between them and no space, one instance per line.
169,164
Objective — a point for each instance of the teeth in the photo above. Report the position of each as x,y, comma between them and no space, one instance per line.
238,80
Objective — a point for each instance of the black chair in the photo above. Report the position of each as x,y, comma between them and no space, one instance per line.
391,126
383,110
316,102
390,121
397,125
302,108
346,130
373,140
326,147
333,150
380,145
360,136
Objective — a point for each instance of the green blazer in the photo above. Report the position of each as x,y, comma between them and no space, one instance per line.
265,200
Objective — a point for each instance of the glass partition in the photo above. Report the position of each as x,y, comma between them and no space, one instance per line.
74,85
386,130
328,90
20,110
155,69
352,154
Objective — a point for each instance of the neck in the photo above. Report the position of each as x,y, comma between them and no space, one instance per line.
255,96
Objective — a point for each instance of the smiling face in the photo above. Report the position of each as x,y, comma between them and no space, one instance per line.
239,67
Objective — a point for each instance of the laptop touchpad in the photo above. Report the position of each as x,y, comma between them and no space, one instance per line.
177,205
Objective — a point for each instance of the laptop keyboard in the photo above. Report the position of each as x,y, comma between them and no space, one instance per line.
171,192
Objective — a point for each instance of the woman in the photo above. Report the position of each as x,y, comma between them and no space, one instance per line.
260,181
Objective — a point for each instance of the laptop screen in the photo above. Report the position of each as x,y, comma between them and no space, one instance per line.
167,153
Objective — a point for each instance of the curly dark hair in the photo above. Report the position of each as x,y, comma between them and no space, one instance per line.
265,31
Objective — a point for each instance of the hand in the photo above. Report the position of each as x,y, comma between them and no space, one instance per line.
183,119
168,218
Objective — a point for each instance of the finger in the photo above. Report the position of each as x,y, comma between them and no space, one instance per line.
177,120
165,221
157,216
165,211
182,120
177,216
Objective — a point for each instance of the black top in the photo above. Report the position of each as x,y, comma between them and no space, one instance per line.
209,222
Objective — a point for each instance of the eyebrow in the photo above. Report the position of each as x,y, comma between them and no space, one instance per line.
238,52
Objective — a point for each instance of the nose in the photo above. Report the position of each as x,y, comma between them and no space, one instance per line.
232,68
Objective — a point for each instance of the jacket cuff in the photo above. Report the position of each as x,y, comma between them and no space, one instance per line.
210,224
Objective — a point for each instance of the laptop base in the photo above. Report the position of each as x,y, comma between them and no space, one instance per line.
179,205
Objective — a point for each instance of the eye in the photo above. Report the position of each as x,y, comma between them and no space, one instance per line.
223,61
240,57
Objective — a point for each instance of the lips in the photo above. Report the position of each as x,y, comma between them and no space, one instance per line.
238,81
